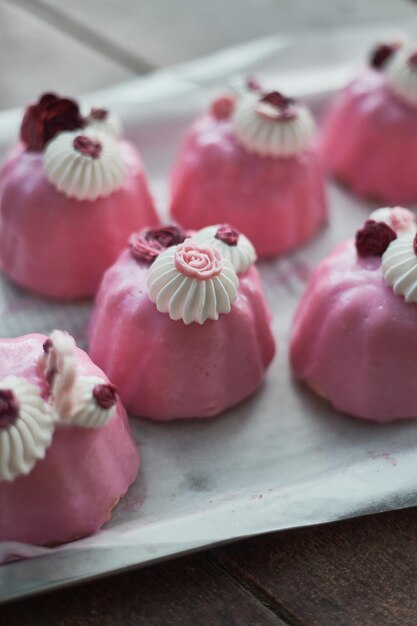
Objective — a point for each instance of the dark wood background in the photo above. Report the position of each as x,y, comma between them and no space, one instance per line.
360,572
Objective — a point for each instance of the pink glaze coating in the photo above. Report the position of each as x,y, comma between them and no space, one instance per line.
164,369
71,493
354,340
60,247
368,140
279,203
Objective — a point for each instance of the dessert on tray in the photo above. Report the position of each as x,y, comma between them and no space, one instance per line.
248,161
71,192
354,333
369,136
181,325
66,450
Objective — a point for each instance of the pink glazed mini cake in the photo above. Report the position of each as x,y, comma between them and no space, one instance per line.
66,450
249,162
354,336
181,325
369,137
71,192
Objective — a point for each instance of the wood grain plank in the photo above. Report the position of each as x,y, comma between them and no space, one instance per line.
166,32
191,591
360,572
35,57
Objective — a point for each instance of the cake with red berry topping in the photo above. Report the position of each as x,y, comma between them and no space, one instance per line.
71,192
249,162
354,333
181,325
369,134
67,453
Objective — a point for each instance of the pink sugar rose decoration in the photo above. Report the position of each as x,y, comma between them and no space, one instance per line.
197,261
148,244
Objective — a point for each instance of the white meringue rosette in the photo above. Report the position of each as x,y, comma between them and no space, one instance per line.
28,437
264,129
241,254
192,282
401,74
103,121
399,267
87,411
59,367
398,218
80,175
73,395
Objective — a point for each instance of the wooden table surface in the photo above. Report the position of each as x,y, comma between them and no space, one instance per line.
357,572
360,572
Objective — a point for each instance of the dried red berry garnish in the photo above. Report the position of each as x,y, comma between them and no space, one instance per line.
283,107
381,53
149,243
105,395
252,84
87,146
374,238
9,408
277,99
99,114
50,116
227,234
47,345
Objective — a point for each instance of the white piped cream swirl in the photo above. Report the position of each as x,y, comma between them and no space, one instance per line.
262,128
25,440
76,173
242,254
192,283
401,74
59,366
87,412
399,267
104,121
398,218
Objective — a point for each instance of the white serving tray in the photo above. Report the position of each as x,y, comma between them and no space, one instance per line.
280,460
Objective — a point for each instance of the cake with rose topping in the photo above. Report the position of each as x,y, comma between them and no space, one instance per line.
71,192
180,324
67,454
354,333
369,134
249,162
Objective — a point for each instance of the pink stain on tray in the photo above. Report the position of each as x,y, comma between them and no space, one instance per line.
386,456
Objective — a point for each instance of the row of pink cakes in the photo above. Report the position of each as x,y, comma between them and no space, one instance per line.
180,327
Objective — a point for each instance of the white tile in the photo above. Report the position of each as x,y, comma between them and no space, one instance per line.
168,31
36,57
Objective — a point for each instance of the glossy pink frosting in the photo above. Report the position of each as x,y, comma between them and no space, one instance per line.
368,139
353,340
278,203
70,493
165,369
59,247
